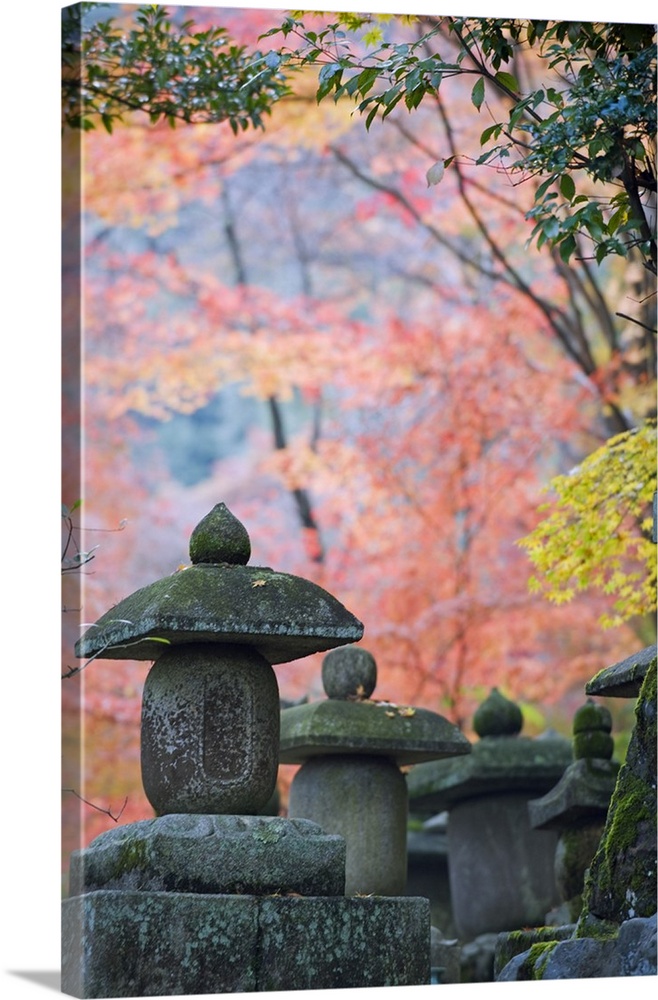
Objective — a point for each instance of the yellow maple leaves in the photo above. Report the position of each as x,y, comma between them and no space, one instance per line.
598,532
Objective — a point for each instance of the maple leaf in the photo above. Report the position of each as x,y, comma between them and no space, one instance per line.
259,583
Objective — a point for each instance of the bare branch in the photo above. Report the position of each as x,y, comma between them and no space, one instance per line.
106,812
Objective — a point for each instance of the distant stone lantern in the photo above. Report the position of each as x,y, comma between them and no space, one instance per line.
577,806
500,869
351,748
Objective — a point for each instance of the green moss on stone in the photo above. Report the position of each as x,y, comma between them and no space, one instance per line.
535,961
589,926
131,854
498,716
592,716
220,538
619,882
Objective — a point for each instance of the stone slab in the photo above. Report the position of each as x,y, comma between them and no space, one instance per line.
213,854
132,944
583,792
496,764
283,617
623,679
139,944
356,942
404,734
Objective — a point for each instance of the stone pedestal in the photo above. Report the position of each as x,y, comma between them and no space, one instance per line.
265,855
140,944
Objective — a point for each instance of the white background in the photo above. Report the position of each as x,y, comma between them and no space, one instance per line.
29,556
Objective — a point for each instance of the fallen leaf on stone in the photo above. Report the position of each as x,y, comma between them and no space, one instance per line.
407,712
259,583
391,715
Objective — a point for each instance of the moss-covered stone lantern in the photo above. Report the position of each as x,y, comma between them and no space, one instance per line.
351,747
500,869
210,709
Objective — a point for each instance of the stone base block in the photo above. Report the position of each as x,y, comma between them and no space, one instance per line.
141,944
230,855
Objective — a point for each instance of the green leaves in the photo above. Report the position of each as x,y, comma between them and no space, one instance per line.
477,94
162,71
567,186
597,533
599,117
508,82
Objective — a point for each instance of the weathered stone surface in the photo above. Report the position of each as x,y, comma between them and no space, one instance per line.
210,730
123,944
497,716
621,882
405,735
349,672
501,871
139,944
631,952
364,801
330,943
519,942
213,854
496,763
583,791
283,617
623,679
219,537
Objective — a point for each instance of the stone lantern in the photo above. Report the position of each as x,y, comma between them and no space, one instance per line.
351,748
577,806
208,896
500,869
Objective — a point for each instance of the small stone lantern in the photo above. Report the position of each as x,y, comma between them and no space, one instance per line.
577,806
208,897
351,748
500,869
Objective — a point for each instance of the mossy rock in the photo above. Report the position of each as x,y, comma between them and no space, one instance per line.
621,883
